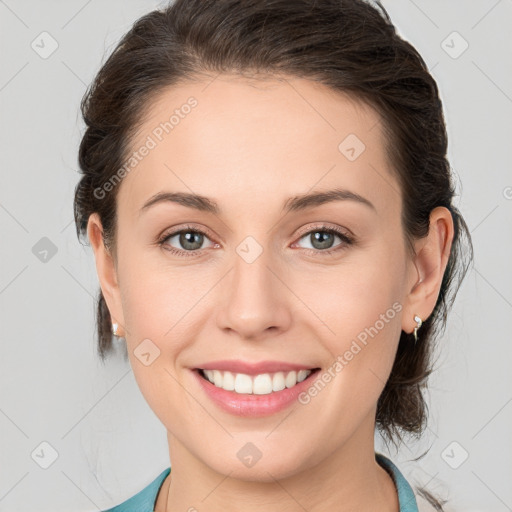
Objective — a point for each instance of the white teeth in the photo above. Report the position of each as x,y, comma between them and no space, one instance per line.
262,384
291,379
217,378
228,381
243,383
302,374
278,381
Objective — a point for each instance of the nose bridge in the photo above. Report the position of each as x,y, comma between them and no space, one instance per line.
253,301
251,277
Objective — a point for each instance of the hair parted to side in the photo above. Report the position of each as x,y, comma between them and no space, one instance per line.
348,45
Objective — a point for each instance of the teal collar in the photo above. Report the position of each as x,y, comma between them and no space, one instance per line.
406,497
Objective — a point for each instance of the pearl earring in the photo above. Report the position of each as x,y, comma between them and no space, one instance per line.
418,320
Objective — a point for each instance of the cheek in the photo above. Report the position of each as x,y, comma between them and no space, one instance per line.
155,295
359,307
358,322
356,296
158,307
163,315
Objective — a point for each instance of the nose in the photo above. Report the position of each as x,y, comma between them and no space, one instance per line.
255,300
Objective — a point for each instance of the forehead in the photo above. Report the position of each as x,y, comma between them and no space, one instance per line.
240,140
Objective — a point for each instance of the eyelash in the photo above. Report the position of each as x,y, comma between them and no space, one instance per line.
347,240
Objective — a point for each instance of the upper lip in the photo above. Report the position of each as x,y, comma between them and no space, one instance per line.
237,366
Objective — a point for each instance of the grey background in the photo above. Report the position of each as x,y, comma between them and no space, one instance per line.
107,441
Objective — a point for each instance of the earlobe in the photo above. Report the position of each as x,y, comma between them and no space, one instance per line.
105,268
432,255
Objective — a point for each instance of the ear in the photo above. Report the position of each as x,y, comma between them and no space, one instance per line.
107,273
427,268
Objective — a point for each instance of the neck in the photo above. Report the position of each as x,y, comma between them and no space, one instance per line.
347,479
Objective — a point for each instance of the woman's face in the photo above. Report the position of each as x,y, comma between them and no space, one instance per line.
266,281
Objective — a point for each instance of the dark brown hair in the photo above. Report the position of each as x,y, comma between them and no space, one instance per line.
348,45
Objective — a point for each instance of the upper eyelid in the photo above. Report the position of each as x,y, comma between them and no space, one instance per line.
177,231
326,227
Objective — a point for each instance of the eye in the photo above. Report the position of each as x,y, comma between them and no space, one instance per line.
322,238
190,239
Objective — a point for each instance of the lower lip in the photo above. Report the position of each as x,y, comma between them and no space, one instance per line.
254,405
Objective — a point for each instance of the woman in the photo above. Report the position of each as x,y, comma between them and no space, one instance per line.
266,191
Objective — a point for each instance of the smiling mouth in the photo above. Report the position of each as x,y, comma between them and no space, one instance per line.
261,384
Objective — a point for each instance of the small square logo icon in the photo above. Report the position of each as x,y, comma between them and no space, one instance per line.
44,250
249,249
454,45
351,147
454,455
44,45
146,352
44,455
249,454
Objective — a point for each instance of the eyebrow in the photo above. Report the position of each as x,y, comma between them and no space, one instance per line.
293,204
